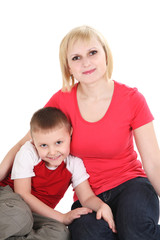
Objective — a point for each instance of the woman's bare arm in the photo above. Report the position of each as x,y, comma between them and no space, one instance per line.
150,154
7,162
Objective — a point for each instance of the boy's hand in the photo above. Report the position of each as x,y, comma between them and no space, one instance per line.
76,213
105,212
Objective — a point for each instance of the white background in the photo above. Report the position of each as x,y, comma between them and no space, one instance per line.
30,34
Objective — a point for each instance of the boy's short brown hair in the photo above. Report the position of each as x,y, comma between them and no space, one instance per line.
47,119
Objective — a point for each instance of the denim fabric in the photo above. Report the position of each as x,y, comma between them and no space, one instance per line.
135,206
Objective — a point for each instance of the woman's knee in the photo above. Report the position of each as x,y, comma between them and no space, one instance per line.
88,227
138,212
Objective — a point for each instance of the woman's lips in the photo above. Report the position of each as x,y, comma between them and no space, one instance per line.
89,71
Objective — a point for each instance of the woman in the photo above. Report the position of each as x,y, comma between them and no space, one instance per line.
105,116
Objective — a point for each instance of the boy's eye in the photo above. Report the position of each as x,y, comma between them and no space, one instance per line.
75,58
93,52
43,145
59,142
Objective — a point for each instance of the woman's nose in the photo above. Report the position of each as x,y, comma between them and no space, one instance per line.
86,62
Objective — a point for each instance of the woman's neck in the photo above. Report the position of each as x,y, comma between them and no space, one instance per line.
96,91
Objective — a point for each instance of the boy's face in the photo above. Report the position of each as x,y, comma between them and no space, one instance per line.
53,145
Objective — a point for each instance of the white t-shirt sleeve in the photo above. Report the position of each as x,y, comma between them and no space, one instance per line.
25,161
76,167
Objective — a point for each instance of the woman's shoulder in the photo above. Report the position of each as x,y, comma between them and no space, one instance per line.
125,88
126,92
65,92
61,97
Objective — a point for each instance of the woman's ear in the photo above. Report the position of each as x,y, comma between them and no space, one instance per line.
106,60
69,70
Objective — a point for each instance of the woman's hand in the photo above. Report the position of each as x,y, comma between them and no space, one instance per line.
89,199
76,213
105,212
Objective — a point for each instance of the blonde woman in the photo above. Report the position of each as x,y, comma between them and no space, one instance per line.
106,116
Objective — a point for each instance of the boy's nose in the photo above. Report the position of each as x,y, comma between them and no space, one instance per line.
52,150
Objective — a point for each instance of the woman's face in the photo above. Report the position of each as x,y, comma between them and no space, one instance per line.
87,61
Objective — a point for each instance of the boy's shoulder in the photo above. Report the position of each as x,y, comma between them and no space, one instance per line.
29,149
76,167
74,164
28,146
73,160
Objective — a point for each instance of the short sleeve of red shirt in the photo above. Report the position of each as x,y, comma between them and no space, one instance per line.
62,101
54,100
140,112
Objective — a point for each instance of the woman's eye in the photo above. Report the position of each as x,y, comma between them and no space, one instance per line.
59,142
93,52
75,58
43,145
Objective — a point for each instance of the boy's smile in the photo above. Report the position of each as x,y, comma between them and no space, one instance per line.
53,145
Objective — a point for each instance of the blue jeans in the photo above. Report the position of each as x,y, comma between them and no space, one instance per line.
135,206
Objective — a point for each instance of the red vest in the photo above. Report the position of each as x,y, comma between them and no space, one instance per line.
7,181
48,185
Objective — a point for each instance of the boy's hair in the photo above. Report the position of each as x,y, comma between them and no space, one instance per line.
47,119
84,33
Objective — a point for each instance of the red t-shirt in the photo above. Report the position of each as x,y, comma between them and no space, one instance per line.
48,185
106,146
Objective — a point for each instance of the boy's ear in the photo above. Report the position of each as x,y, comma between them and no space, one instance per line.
32,141
71,131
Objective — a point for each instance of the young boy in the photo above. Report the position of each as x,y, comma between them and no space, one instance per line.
42,172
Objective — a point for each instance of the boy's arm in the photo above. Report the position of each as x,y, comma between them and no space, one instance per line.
23,187
90,200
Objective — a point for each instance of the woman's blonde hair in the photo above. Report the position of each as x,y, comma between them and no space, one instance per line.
84,33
